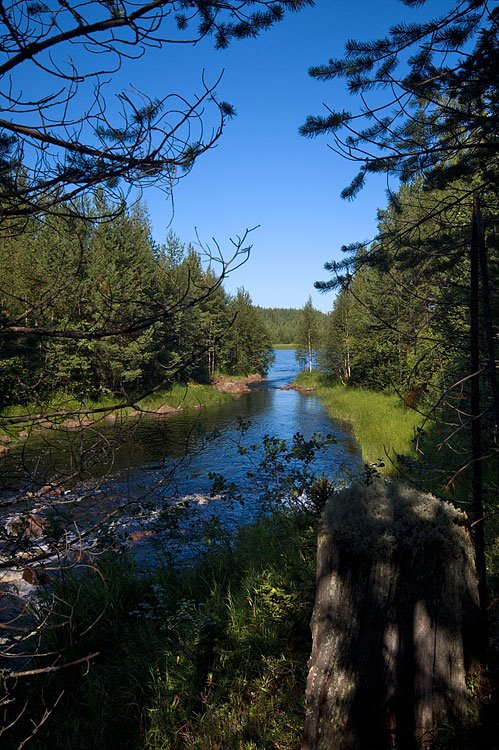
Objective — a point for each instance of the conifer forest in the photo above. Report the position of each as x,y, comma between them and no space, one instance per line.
229,525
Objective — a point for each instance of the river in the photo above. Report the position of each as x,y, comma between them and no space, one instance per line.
161,460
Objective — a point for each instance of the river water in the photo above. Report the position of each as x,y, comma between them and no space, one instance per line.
160,460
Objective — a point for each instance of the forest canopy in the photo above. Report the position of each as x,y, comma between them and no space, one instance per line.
120,314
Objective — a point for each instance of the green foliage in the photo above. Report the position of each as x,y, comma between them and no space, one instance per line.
308,335
335,356
425,113
248,347
401,319
283,324
237,679
120,315
433,110
47,161
208,656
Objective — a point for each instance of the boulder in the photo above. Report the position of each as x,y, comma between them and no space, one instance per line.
51,490
80,561
165,409
35,576
139,536
226,385
299,388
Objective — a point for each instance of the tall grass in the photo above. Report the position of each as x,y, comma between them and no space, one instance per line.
382,426
191,395
211,656
237,680
385,431
187,396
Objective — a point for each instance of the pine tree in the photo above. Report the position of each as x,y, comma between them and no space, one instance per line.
308,336
77,144
247,344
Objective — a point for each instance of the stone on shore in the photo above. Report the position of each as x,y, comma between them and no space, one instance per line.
30,527
241,385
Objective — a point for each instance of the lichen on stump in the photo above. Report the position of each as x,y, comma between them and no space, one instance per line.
396,623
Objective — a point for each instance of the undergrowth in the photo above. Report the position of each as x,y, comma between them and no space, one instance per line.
210,656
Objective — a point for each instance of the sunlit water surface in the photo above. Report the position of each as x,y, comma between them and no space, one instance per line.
161,460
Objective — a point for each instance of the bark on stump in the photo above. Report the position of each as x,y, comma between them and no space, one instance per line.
396,624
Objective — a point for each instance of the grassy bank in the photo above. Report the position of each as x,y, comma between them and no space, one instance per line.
208,657
380,423
191,395
385,429
179,396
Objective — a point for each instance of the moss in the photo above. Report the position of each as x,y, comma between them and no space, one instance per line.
367,520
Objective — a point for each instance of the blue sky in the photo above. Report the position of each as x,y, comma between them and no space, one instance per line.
262,172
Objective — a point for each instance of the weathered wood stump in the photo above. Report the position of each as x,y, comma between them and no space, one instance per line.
396,622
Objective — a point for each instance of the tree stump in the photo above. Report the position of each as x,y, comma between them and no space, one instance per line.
396,624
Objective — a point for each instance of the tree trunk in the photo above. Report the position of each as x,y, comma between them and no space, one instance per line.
487,308
394,623
476,411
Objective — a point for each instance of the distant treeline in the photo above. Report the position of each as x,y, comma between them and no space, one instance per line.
283,323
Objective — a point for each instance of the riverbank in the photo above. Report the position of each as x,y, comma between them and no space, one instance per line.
381,424
211,654
235,383
201,656
386,430
63,412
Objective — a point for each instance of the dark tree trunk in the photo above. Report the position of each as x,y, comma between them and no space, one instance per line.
487,309
395,623
476,411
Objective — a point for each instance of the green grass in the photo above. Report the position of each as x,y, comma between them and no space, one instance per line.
191,395
211,657
379,422
382,426
284,346
238,681
208,657
233,378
